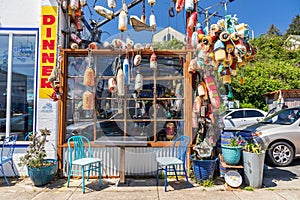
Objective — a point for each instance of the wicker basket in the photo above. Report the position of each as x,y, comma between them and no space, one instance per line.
203,169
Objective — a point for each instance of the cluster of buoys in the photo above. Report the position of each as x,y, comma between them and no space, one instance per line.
224,47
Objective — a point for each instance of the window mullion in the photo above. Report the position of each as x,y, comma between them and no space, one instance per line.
9,80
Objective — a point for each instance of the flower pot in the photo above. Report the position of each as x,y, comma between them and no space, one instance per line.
44,175
203,169
232,155
253,168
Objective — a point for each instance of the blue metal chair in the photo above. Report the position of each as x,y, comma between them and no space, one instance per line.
80,154
171,163
7,151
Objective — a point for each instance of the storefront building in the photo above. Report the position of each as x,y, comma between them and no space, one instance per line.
28,49
130,101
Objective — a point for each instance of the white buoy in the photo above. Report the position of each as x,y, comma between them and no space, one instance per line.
123,21
152,21
189,5
111,3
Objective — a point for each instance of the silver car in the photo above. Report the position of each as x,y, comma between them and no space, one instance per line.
279,134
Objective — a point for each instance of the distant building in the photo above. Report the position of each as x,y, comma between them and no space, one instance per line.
167,34
278,98
292,42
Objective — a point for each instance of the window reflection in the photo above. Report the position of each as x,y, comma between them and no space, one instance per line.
3,80
22,83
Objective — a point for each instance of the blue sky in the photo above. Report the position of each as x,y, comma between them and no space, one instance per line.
258,14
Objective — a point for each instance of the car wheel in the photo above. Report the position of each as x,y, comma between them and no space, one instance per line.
280,154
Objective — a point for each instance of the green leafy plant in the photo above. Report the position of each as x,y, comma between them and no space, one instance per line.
248,188
253,147
207,183
36,153
236,141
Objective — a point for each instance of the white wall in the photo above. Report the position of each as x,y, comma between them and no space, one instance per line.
19,13
159,36
27,14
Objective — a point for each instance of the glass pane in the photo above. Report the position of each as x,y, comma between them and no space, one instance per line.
22,96
253,113
132,116
80,116
237,114
3,81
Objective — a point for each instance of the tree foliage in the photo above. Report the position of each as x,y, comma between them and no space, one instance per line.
275,68
273,30
171,44
294,28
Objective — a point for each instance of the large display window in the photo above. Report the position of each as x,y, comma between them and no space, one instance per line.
114,97
18,74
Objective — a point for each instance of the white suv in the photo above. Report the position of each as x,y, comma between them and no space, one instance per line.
241,117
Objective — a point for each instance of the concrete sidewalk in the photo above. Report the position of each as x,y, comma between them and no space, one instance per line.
277,184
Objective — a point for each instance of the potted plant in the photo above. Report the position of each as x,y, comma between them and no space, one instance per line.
203,160
232,151
253,161
40,169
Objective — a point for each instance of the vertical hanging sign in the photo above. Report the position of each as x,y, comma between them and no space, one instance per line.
48,32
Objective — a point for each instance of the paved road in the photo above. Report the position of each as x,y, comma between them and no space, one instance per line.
282,175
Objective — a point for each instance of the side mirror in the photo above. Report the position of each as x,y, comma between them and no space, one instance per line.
228,117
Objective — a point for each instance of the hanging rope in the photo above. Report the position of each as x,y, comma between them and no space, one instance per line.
143,8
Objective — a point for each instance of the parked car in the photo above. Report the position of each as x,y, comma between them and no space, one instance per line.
279,134
241,117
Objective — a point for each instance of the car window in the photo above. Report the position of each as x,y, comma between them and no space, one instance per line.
253,113
237,114
284,117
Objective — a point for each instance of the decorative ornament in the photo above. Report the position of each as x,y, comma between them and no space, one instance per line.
104,12
88,100
153,61
123,21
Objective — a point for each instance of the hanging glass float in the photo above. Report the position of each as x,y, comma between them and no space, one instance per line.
111,3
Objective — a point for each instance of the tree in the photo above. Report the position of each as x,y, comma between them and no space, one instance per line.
294,28
170,44
275,68
273,30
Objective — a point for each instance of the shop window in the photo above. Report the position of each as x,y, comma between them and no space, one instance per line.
17,71
151,112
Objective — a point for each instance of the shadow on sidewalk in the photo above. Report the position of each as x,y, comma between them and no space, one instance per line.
151,182
275,174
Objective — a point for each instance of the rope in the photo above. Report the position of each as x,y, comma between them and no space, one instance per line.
143,8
